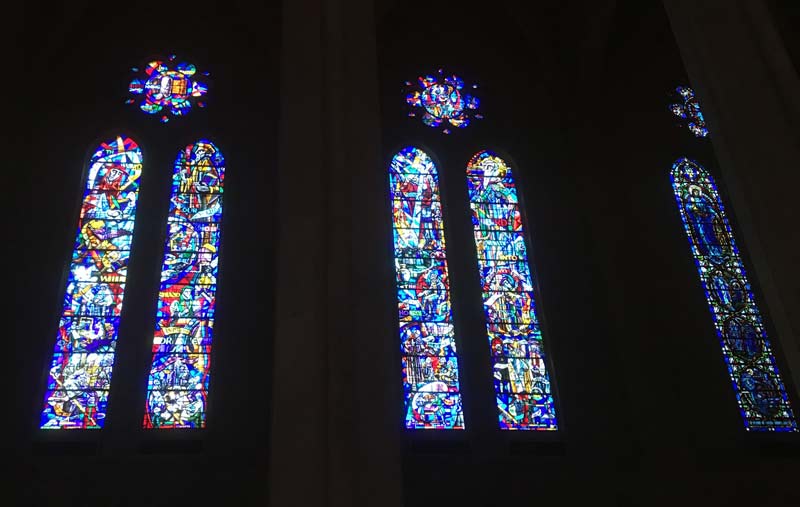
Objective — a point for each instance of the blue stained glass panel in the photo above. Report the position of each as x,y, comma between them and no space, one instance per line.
195,208
760,392
434,406
110,206
521,380
186,301
177,388
90,298
80,371
410,243
442,101
179,336
499,245
688,111
427,338
186,236
424,305
419,371
429,362
103,234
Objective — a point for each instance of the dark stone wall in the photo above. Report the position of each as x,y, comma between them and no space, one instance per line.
73,85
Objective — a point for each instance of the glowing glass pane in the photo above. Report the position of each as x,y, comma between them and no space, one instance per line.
80,370
761,395
442,101
688,111
521,381
427,340
162,90
177,387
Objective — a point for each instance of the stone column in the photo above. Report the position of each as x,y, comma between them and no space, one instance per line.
335,423
750,94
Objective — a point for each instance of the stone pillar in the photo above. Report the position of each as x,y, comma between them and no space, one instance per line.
336,411
750,94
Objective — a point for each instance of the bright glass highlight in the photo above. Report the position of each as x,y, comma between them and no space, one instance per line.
688,111
430,363
760,393
442,101
177,387
80,369
521,382
163,90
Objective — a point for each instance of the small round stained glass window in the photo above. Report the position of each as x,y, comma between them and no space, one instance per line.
167,88
442,102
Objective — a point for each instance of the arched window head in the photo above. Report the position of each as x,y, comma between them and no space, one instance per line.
177,387
427,340
761,395
521,381
80,370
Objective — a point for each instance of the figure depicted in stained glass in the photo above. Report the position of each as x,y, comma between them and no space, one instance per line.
707,226
443,101
762,397
80,371
688,111
430,364
522,385
164,90
179,376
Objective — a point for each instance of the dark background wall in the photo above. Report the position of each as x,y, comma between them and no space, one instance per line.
78,57
648,414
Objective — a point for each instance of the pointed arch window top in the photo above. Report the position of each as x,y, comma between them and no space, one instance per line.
760,392
177,387
442,101
687,109
79,376
522,383
427,338
490,180
164,90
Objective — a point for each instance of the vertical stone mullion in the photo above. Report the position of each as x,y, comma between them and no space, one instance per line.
335,435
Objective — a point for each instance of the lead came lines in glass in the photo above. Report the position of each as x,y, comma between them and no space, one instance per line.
177,387
760,392
80,370
522,384
163,90
430,364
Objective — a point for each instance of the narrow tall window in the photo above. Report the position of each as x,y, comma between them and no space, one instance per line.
80,370
177,387
521,381
761,395
430,365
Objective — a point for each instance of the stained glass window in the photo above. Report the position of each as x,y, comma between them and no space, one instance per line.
442,101
430,363
163,90
521,382
177,387
762,397
688,111
80,369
